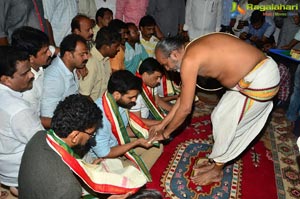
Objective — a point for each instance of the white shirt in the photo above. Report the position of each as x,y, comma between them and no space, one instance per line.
60,14
18,123
34,95
202,17
141,105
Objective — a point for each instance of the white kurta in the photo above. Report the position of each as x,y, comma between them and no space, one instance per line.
202,17
18,123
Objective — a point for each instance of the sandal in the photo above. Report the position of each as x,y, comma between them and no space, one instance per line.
3,194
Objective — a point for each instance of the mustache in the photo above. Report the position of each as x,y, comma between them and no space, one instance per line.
85,61
131,104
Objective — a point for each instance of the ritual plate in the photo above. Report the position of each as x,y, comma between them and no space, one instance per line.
284,53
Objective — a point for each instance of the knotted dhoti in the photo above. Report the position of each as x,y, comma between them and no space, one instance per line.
243,111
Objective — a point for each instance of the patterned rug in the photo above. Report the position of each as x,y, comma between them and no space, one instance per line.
285,153
266,170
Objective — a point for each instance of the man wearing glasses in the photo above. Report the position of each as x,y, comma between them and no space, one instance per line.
50,159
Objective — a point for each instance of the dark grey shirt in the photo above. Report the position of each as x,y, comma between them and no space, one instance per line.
17,13
43,174
168,14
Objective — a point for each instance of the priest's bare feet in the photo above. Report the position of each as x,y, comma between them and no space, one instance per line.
202,165
214,174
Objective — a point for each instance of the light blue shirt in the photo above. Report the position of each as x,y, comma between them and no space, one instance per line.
59,82
267,29
105,139
133,57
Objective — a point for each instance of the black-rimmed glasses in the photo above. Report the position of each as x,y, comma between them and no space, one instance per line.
90,134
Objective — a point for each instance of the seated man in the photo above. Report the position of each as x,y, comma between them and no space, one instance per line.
103,17
98,65
114,140
148,40
117,62
36,43
149,105
60,78
19,122
50,157
83,26
135,52
259,29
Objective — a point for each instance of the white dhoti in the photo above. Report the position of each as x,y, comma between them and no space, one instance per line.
243,111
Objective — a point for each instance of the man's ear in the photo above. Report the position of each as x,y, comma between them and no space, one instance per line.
117,95
5,80
73,137
68,55
31,57
76,31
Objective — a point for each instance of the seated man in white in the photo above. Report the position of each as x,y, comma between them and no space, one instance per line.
150,107
36,43
18,120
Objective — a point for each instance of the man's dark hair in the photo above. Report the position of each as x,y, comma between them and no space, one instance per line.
69,43
123,81
107,36
150,65
29,39
169,44
130,24
9,57
75,112
146,194
100,13
147,20
257,16
116,25
75,24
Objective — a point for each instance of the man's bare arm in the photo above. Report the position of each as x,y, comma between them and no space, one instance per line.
189,73
120,150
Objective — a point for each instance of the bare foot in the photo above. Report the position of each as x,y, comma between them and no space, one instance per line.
205,178
202,165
